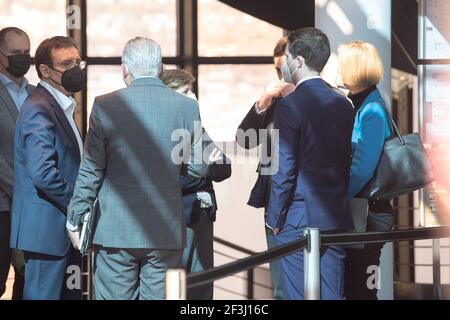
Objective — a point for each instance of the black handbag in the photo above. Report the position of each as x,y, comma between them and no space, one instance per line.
403,167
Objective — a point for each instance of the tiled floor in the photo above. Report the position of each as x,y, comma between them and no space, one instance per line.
7,295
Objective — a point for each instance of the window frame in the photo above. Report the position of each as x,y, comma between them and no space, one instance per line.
186,49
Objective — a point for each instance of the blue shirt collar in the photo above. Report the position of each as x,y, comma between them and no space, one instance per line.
8,82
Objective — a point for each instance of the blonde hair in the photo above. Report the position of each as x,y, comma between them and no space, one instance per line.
175,79
360,64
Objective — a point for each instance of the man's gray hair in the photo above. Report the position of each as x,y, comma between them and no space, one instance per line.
142,56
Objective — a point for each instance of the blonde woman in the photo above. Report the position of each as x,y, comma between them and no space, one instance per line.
361,71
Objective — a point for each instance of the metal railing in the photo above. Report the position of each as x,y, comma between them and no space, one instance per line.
250,272
311,244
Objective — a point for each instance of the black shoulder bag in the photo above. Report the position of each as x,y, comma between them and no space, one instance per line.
403,167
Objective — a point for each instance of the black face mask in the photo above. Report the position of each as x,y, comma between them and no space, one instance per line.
19,64
72,80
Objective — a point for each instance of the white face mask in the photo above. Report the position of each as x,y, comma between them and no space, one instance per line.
286,71
191,95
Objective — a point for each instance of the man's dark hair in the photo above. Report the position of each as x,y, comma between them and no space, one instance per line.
7,30
312,44
280,48
44,51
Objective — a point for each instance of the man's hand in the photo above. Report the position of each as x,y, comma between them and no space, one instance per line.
75,238
273,90
275,231
287,89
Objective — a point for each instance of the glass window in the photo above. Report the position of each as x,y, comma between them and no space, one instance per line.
39,19
105,79
230,91
102,80
225,31
32,76
111,23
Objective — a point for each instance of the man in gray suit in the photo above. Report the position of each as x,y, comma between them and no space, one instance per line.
14,89
133,159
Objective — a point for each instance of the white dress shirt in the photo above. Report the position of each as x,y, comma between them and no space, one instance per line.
68,105
306,79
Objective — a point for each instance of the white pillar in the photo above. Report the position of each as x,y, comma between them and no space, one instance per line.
370,21
176,284
311,268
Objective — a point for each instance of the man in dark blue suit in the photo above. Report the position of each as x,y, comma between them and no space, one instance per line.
314,155
47,153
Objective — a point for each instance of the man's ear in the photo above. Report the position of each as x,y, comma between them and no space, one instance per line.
45,72
124,70
161,70
300,61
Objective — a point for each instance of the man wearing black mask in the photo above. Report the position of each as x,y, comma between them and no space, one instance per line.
47,153
14,89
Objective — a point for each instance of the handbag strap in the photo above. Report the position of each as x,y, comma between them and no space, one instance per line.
393,124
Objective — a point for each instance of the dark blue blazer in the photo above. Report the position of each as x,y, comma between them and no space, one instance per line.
46,162
315,129
217,172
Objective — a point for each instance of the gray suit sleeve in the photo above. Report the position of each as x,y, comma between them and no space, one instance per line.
6,176
92,168
197,166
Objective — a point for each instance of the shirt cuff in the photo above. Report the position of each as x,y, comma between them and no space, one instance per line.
71,227
258,111
267,225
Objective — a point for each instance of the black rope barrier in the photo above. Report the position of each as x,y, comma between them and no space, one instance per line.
200,278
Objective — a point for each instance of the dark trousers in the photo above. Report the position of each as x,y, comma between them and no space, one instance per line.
292,269
361,263
51,277
198,255
132,274
5,259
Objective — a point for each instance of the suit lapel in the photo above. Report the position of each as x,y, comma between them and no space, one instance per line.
61,117
9,103
30,88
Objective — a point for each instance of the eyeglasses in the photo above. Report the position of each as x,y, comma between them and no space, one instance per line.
67,65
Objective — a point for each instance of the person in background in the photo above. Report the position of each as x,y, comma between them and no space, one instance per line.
260,117
15,61
199,200
361,71
47,153
131,167
310,189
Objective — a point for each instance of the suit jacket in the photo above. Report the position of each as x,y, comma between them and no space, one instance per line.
315,127
259,196
128,163
8,117
46,161
217,172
